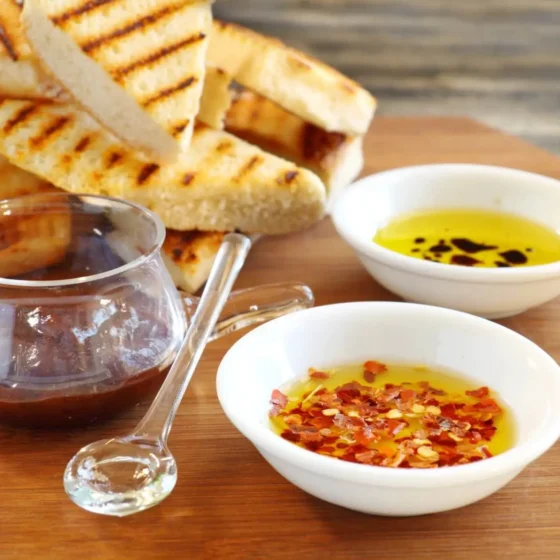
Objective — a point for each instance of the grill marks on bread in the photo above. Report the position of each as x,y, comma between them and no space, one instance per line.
20,117
8,43
79,10
146,172
112,159
12,42
168,92
247,167
51,129
183,246
178,128
132,26
82,144
150,59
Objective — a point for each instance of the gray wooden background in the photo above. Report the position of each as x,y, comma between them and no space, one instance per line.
495,60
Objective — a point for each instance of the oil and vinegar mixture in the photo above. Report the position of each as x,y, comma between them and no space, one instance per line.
475,238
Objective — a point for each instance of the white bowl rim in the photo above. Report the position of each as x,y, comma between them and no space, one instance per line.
514,459
395,260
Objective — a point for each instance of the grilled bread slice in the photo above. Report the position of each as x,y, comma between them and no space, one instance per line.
20,74
189,256
144,61
17,182
220,184
302,85
29,242
336,158
216,98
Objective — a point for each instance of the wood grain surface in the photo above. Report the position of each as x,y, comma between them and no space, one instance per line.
494,60
228,502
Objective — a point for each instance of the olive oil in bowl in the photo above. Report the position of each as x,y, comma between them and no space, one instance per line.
476,238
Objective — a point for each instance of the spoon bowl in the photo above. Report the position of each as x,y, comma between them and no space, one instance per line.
121,476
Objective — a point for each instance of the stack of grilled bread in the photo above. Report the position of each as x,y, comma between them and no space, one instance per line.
212,126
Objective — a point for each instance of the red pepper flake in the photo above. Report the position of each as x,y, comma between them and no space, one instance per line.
407,395
448,410
310,437
279,398
316,412
488,433
375,367
487,405
478,393
395,426
318,374
278,401
321,422
381,426
293,419
326,449
364,436
390,394
348,395
329,400
431,390
475,437
365,457
343,422
442,438
290,436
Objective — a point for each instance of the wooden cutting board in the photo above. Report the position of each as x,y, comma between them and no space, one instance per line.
228,502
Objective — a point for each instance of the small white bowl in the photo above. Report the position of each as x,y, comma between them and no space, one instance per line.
281,351
369,204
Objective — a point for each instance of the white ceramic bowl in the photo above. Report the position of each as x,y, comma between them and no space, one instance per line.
369,204
282,350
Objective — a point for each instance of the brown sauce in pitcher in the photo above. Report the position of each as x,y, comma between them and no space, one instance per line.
79,410
84,353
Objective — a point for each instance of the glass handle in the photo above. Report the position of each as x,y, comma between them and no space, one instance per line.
253,306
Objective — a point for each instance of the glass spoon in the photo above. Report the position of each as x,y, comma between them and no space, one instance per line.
128,474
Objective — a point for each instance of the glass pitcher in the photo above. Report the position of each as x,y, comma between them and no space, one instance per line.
90,320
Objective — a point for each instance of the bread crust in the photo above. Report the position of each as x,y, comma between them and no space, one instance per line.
216,98
299,83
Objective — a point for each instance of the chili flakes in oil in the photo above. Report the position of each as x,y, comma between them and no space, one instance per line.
405,426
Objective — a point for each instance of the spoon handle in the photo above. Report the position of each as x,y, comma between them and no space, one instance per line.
158,420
